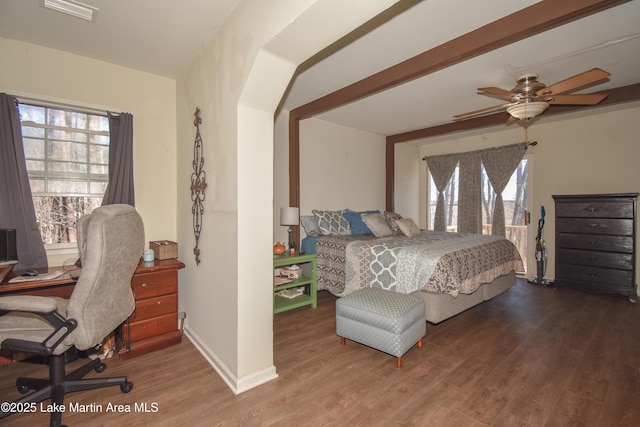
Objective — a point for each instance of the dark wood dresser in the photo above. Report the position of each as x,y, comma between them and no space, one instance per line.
595,243
154,323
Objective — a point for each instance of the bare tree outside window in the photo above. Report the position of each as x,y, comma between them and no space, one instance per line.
67,156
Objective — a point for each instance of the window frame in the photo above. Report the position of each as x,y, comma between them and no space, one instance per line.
92,177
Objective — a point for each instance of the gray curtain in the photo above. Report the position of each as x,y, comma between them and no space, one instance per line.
16,203
120,187
441,168
500,163
469,203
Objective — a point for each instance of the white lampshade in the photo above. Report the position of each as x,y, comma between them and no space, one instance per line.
527,110
289,216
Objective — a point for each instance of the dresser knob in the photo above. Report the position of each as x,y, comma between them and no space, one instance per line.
593,274
592,209
592,242
592,226
144,285
593,259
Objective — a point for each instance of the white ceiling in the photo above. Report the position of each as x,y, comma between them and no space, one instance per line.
163,36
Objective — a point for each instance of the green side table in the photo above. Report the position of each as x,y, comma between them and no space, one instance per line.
307,263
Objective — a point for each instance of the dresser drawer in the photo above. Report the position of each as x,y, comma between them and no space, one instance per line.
595,242
621,227
597,259
152,307
579,273
154,284
595,209
143,329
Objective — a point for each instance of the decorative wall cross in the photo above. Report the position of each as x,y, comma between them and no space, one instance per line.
198,185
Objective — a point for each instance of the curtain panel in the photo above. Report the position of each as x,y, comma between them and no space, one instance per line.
441,168
470,193
500,163
16,202
120,188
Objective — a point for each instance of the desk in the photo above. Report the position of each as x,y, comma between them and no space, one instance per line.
59,287
154,323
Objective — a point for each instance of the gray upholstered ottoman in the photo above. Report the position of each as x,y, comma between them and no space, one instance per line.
387,321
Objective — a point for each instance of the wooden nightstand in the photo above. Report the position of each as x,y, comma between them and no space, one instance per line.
307,279
154,323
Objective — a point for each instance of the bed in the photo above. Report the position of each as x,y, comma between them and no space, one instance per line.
451,272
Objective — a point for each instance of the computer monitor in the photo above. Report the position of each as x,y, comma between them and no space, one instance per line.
8,249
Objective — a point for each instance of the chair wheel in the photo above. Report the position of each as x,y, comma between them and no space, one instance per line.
100,368
126,387
23,389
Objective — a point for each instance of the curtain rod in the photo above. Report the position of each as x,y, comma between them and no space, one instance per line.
527,144
62,105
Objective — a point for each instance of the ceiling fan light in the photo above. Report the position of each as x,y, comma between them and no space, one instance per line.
73,8
527,110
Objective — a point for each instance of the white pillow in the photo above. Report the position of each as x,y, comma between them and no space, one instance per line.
377,224
408,227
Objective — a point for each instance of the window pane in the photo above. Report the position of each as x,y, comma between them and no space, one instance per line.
32,113
99,154
98,187
69,167
70,151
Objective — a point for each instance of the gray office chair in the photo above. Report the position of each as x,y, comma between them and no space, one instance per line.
110,242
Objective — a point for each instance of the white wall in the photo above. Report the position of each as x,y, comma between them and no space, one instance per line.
48,74
237,82
575,155
340,167
406,183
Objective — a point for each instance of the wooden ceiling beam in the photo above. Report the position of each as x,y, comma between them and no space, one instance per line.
615,96
520,25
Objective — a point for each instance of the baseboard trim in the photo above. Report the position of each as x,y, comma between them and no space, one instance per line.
237,385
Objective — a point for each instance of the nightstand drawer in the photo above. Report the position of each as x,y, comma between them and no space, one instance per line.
154,284
152,307
143,329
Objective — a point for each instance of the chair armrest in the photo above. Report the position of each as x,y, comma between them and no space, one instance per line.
30,303
45,307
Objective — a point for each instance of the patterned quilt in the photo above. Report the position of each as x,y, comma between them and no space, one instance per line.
450,263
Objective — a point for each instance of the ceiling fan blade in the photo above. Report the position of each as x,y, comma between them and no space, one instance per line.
578,99
481,111
575,82
496,92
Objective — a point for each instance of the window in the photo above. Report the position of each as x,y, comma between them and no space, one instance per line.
515,198
67,157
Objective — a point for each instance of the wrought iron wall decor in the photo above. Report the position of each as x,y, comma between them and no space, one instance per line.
198,185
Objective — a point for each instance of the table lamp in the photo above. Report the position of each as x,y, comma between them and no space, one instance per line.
289,216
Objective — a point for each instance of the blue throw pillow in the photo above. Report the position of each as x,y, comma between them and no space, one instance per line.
357,226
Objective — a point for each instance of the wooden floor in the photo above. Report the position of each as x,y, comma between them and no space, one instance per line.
530,357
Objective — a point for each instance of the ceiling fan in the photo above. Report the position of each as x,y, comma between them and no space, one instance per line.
530,97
